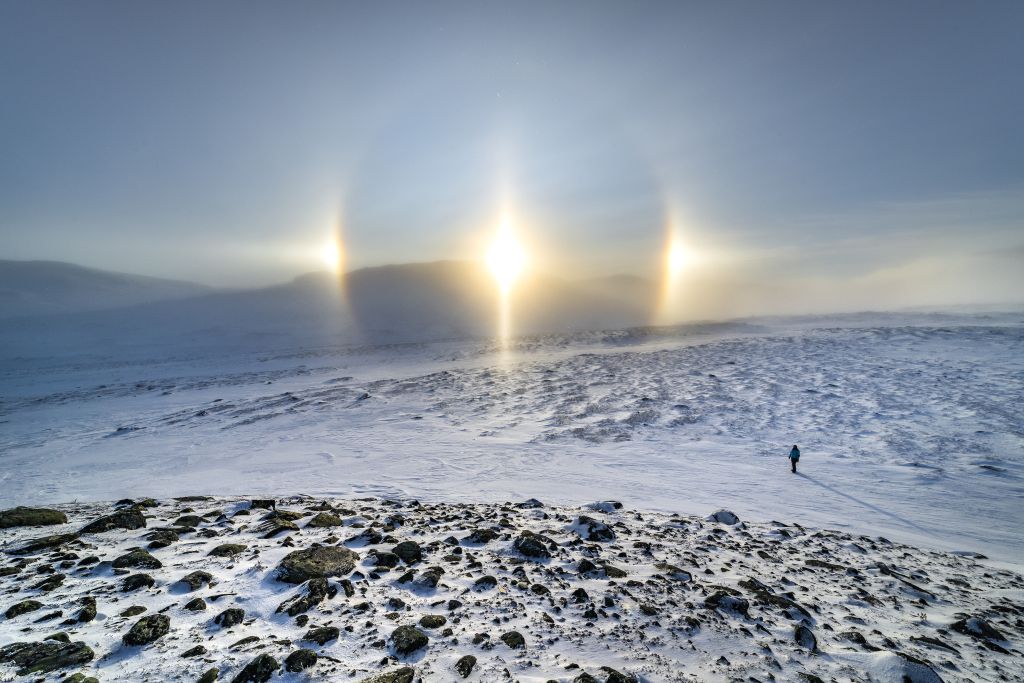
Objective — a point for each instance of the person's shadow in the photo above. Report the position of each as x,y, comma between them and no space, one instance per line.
869,506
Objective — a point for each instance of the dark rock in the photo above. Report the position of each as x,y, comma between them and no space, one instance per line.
616,676
23,607
50,583
23,516
45,543
804,637
263,503
137,581
514,639
673,572
613,572
485,583
322,520
408,639
855,637
50,616
195,580
161,538
483,535
831,566
286,515
275,525
228,550
322,634
809,678
433,621
730,603
591,529
318,562
133,611
532,546
136,558
196,651
148,629
128,518
465,665
210,676
258,670
367,537
314,592
45,656
300,660
429,578
977,628
384,559
409,551
195,605
230,617
403,675
188,521
80,678
244,642
724,517
88,611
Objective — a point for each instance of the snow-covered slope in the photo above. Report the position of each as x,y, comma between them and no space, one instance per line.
910,426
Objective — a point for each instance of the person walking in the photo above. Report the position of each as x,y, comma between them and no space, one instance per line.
794,457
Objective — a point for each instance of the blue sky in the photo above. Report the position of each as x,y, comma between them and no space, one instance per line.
222,141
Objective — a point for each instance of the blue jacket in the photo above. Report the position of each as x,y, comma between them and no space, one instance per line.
795,454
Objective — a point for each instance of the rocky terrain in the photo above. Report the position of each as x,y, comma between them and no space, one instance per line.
371,590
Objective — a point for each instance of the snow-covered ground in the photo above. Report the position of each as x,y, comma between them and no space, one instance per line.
356,589
911,426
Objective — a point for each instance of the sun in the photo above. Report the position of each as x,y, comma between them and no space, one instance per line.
506,257
330,252
677,258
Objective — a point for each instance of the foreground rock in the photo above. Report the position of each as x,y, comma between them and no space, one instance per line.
300,660
22,516
316,563
403,675
128,518
147,630
258,670
46,656
494,592
408,639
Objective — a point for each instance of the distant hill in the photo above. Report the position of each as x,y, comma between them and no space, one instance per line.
30,288
114,313
453,299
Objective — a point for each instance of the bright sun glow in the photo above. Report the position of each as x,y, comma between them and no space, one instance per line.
506,257
677,258
331,254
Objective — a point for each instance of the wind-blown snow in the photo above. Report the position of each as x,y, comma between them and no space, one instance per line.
910,427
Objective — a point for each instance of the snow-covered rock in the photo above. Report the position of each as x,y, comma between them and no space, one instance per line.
671,594
723,517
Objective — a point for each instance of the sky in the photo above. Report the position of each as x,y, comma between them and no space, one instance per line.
839,148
